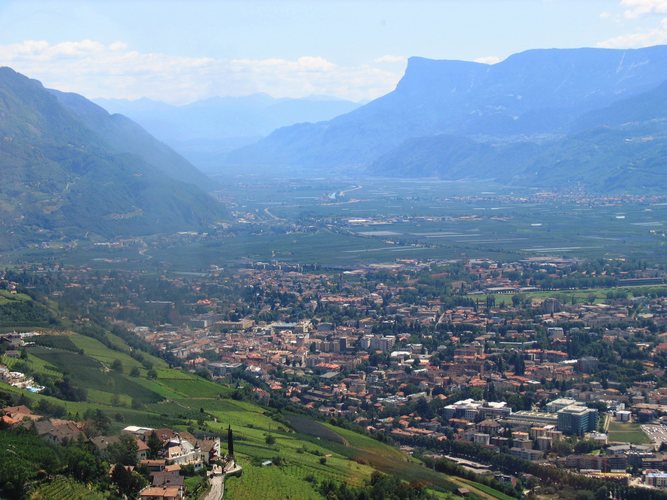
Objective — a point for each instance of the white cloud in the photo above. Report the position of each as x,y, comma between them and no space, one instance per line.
488,60
391,59
655,36
115,70
638,8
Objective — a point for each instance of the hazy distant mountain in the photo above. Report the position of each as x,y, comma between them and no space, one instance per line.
65,171
205,129
648,109
510,106
619,147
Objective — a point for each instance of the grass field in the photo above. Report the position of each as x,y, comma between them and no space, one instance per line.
627,433
581,296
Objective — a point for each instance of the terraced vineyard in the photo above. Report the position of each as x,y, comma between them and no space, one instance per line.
62,487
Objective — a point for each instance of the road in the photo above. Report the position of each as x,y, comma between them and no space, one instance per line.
217,488
274,217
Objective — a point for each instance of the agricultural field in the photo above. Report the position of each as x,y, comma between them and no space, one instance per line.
347,222
482,489
389,460
7,297
62,487
627,433
268,482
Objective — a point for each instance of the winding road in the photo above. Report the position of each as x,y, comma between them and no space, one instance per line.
217,488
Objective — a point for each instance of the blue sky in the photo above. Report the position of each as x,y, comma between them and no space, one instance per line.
183,51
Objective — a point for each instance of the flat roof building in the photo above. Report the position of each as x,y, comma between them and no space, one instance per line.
577,420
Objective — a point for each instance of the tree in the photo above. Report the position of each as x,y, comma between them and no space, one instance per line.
122,478
270,439
602,493
152,374
117,366
128,483
423,409
490,392
519,365
97,422
124,451
135,372
154,445
230,442
67,390
83,465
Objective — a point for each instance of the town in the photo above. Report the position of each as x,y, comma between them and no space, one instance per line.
550,360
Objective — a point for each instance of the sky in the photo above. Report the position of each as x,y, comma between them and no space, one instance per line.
183,51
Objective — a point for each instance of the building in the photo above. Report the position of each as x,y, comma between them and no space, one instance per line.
220,369
527,454
551,305
531,418
161,493
384,344
587,364
558,404
577,420
623,415
471,409
481,439
656,479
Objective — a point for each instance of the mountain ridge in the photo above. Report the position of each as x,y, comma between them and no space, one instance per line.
531,99
61,179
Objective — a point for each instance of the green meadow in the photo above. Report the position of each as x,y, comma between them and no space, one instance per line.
626,432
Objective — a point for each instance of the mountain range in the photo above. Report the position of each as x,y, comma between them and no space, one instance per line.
204,130
553,117
70,168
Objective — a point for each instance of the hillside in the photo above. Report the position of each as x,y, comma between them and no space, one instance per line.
135,388
62,178
122,135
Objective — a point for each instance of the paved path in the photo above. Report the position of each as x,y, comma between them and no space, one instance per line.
217,488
